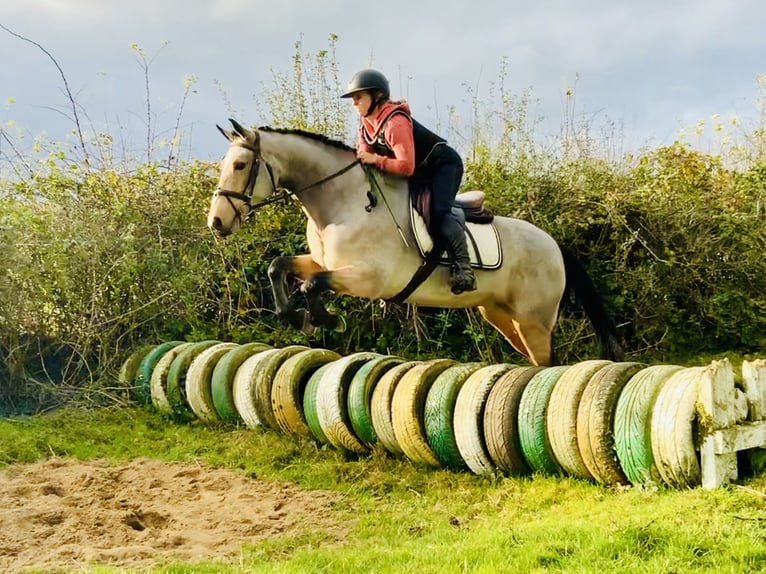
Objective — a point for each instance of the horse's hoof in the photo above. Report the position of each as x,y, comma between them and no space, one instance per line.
308,328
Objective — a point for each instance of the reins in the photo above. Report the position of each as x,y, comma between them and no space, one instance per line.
278,193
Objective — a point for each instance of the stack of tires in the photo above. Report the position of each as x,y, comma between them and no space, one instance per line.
608,422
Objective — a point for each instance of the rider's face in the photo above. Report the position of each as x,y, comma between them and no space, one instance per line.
362,102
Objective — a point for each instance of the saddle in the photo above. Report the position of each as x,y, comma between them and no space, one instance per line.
482,239
468,206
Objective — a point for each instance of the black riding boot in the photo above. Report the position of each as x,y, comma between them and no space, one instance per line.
461,276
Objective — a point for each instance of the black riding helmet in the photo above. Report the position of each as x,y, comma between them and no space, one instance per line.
368,79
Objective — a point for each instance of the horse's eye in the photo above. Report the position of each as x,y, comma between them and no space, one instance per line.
239,165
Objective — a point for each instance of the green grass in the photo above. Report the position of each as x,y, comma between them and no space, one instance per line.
402,518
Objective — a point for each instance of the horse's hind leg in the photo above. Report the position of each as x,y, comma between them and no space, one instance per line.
529,336
537,338
503,322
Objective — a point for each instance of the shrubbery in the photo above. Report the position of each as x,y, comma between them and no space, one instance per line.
97,261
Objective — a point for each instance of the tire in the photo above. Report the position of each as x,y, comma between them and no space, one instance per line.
533,434
561,418
360,396
501,421
146,368
408,410
673,429
158,382
469,417
332,402
595,422
380,406
439,412
310,404
198,377
222,379
126,378
176,384
289,386
252,386
633,423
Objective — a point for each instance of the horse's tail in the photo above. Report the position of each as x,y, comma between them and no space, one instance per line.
579,283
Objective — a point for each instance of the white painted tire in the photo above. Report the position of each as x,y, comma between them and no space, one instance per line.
158,384
198,377
469,417
332,405
673,429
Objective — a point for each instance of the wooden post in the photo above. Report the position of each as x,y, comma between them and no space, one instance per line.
754,382
722,410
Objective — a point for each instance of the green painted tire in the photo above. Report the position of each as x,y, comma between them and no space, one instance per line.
198,377
176,383
633,423
533,436
360,396
145,369
595,421
501,420
439,412
223,378
289,386
408,410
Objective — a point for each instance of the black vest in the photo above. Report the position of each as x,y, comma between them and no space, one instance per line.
425,140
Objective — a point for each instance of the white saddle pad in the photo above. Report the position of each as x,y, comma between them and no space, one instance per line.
482,240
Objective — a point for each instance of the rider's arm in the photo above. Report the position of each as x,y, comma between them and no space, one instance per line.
398,132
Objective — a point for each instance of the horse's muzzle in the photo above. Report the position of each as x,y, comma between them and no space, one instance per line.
216,226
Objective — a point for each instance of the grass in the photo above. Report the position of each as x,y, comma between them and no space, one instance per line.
403,518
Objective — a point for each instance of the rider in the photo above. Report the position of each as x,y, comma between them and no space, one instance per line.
391,140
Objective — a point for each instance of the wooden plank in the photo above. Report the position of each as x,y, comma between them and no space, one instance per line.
740,437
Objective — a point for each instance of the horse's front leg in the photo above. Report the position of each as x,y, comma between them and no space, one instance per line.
313,287
282,267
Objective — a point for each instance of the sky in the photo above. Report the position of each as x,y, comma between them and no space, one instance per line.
652,67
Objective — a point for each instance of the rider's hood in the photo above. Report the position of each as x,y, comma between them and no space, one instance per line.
374,122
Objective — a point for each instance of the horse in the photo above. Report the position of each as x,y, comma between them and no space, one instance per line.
363,247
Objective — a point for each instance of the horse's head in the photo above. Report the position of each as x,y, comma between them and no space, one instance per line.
239,186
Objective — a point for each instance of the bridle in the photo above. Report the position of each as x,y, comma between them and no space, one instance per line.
277,193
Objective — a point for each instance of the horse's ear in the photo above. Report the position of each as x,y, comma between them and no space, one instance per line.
250,136
228,135
238,127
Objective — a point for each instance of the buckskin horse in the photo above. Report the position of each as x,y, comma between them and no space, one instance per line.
362,243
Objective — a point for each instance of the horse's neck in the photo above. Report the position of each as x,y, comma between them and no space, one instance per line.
301,162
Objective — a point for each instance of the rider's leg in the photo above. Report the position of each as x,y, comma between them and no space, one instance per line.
445,182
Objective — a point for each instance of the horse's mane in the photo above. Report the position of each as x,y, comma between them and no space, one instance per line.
310,135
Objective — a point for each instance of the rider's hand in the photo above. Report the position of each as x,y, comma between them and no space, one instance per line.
367,157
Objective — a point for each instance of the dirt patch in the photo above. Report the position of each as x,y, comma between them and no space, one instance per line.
65,514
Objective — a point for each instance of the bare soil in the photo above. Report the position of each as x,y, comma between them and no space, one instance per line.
63,515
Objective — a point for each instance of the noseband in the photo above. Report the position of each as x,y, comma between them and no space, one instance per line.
278,194
246,195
